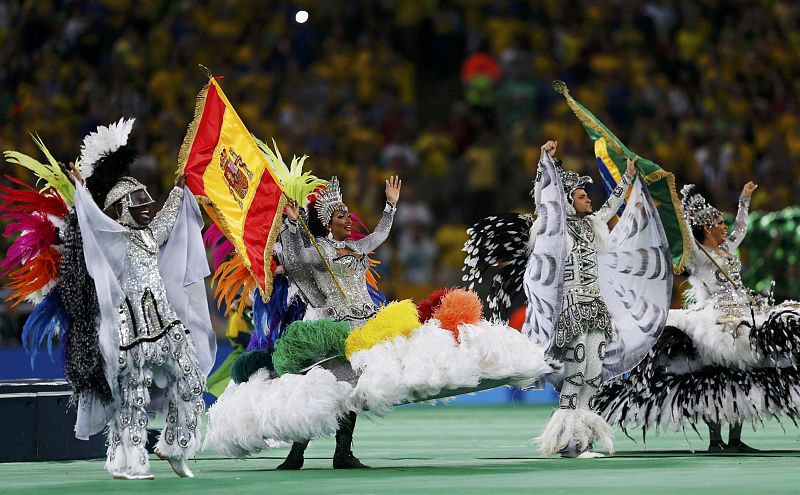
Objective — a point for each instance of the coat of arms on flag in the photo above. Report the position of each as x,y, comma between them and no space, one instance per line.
231,177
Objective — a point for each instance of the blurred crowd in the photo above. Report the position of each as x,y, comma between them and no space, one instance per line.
453,95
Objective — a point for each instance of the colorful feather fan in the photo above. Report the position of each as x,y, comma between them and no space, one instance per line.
232,280
399,318
33,260
221,248
271,318
51,173
48,320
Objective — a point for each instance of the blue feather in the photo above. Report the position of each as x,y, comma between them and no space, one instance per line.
270,319
45,323
377,296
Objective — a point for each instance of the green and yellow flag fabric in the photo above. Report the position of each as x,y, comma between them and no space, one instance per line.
611,155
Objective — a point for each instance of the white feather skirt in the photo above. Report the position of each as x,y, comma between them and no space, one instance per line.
250,416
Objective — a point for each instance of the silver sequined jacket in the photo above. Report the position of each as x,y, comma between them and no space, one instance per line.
147,315
709,283
307,270
583,309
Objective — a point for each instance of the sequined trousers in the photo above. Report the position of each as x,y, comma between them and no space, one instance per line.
167,369
583,370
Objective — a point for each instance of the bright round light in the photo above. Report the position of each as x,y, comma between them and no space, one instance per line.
301,16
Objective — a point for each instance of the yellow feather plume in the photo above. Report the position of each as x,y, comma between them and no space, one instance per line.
297,185
51,174
398,318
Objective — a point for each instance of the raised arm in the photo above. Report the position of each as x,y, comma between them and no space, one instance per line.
164,220
740,224
617,196
548,152
371,242
293,248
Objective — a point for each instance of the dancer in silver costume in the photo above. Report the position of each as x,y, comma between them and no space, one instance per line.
579,282
332,281
148,271
348,260
729,356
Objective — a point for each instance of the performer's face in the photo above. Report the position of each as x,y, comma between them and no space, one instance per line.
581,202
341,226
717,232
142,214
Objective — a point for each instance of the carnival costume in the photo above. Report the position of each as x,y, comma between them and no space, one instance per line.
134,316
339,294
332,347
728,356
596,300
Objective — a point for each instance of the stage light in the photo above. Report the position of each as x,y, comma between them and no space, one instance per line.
301,16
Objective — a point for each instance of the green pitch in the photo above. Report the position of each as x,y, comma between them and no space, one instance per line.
454,450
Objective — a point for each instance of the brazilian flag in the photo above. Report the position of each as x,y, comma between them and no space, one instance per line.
611,156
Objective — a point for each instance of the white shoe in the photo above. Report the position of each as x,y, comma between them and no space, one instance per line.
178,465
122,475
590,455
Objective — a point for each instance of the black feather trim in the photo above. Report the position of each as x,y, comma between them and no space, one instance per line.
779,335
84,366
649,396
498,245
107,172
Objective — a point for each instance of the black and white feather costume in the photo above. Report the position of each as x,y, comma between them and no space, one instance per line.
727,356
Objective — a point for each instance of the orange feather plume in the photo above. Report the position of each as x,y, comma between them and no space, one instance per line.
34,275
459,306
232,280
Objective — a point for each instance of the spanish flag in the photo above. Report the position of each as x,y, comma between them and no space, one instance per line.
231,178
611,157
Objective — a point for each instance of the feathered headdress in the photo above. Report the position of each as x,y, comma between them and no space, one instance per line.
698,212
106,157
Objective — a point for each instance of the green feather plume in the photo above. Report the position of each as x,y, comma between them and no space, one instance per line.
248,363
296,184
306,342
51,173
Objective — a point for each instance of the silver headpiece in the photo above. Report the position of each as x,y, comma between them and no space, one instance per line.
129,192
696,209
121,189
573,181
329,200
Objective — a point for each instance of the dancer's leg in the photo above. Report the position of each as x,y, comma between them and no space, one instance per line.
127,457
735,443
295,458
715,443
180,438
343,457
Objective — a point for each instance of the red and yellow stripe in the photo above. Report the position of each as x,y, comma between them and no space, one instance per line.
231,177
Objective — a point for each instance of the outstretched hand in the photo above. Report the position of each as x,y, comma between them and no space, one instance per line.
631,162
749,189
292,210
393,185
